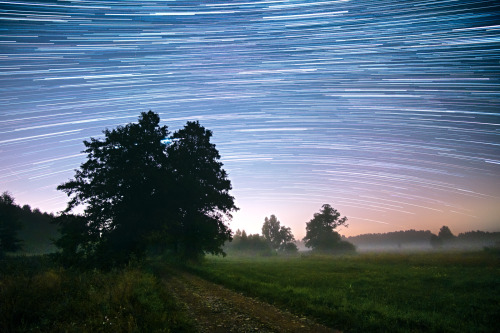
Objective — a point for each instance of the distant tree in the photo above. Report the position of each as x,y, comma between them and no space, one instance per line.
201,198
271,231
445,234
244,236
9,225
444,237
236,238
137,190
253,244
279,237
320,234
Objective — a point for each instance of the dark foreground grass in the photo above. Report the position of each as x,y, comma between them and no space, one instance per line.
429,292
36,296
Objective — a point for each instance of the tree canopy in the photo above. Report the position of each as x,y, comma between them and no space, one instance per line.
279,237
320,234
139,187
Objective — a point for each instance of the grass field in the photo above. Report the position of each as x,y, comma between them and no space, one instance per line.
421,292
425,292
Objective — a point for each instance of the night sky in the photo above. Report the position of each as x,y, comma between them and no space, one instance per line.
388,110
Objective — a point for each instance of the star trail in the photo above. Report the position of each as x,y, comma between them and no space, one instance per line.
387,110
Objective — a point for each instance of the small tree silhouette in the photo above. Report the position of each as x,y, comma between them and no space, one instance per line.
320,234
280,238
444,237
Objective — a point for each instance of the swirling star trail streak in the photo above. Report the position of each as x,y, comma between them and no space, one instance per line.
388,110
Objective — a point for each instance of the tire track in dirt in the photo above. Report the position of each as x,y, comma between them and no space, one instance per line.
218,309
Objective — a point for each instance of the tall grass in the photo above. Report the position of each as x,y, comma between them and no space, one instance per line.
447,292
36,296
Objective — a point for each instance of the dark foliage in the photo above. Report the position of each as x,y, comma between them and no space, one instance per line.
280,238
320,234
9,225
138,192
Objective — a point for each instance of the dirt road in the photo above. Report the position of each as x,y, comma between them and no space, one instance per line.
217,309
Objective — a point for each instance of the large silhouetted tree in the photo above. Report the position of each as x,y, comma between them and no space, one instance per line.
9,225
137,190
202,203
320,234
279,237
124,188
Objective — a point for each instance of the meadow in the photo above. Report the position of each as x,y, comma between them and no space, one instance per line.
412,292
385,292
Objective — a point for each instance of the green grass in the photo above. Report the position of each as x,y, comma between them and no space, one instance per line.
37,296
426,292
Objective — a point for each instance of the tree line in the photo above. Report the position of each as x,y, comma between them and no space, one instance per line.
23,229
443,239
